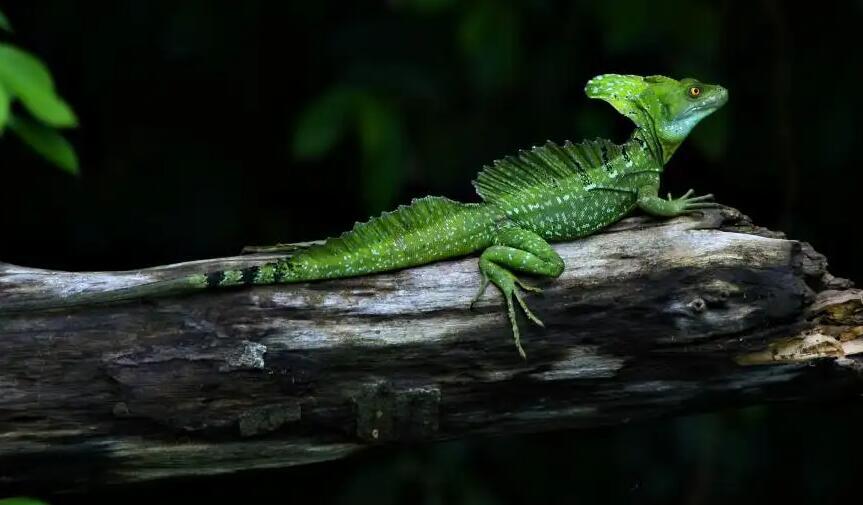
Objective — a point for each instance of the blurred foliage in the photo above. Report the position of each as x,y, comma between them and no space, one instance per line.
20,500
25,79
377,125
4,23
488,39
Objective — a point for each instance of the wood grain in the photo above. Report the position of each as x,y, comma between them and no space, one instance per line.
650,318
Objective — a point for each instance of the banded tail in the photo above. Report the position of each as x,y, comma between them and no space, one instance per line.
430,229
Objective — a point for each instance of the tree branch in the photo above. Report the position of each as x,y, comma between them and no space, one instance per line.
650,318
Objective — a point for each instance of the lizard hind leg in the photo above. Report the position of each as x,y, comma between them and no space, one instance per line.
522,250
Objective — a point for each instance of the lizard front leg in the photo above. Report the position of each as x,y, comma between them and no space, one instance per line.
650,202
522,250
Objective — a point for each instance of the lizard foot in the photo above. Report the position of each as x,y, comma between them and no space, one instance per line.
509,294
527,287
511,287
688,203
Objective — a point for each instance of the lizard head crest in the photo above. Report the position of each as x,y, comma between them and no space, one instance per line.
665,106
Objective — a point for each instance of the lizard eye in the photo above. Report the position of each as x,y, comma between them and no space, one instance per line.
694,92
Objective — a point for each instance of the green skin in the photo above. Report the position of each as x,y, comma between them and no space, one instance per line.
550,193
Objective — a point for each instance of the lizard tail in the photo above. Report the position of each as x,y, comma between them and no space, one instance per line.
430,229
268,273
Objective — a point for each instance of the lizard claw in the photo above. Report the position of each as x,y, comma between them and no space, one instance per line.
510,308
515,333
527,287
482,288
702,198
526,310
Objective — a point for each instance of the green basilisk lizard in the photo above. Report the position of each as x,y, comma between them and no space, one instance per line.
545,194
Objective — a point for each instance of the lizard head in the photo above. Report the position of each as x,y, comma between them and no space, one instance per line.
667,107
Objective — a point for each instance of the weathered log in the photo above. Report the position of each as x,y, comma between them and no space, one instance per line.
650,318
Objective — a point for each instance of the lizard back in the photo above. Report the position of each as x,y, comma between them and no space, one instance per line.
569,191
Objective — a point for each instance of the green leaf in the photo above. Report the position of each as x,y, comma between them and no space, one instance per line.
323,123
28,79
4,108
22,61
47,142
6,26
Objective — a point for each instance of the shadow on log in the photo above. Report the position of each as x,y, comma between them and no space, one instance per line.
650,318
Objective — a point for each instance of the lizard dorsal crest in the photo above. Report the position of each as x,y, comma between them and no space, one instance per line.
544,167
391,225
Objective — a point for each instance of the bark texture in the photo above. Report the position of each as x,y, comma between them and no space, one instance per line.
650,318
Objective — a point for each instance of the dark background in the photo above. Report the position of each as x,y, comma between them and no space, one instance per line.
210,125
